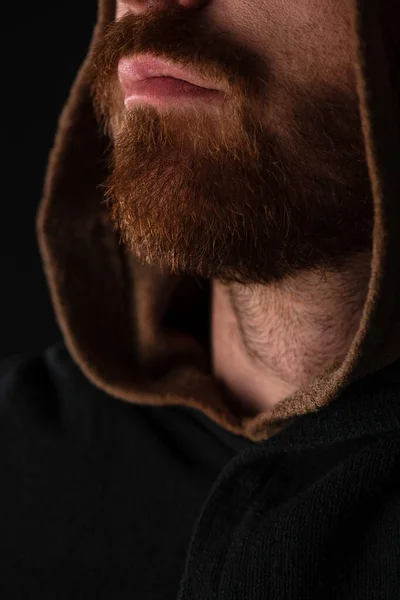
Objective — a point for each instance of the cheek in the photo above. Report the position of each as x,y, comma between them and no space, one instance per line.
120,9
300,40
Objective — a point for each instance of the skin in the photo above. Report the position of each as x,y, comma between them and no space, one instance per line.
269,340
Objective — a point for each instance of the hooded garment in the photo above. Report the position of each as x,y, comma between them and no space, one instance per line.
126,473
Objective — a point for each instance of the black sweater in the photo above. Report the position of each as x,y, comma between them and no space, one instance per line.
105,499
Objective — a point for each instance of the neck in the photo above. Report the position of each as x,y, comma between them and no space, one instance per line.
270,340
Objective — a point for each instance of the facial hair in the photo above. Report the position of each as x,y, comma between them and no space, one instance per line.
229,194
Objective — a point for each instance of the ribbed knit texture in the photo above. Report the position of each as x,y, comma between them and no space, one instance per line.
313,513
102,499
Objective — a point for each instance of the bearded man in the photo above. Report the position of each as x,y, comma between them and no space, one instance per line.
220,235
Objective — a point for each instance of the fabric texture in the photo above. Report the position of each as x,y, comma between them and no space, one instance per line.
124,472
98,497
150,318
113,500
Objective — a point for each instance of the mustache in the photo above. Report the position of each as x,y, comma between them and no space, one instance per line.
179,36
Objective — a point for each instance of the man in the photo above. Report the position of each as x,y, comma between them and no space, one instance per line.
220,236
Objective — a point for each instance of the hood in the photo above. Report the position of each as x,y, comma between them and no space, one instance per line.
141,334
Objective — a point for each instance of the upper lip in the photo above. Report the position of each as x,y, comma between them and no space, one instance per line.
139,68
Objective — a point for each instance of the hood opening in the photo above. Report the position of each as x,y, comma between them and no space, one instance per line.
142,335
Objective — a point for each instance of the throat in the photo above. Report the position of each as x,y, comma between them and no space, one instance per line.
268,341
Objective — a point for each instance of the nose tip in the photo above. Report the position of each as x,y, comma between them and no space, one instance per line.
143,6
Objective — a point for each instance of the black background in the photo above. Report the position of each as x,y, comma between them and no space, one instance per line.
43,44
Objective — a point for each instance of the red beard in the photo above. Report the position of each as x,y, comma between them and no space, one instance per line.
248,197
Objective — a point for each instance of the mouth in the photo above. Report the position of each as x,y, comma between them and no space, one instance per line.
156,81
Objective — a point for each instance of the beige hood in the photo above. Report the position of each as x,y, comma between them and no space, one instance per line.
142,335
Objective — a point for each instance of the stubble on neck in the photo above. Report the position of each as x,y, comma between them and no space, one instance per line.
268,341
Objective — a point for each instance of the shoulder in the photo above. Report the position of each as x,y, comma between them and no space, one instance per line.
42,396
28,377
46,400
22,372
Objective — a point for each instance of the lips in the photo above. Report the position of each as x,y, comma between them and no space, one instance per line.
157,81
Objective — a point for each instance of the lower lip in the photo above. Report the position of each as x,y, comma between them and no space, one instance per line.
162,90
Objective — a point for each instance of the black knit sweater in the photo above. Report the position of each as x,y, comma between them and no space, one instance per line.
103,499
